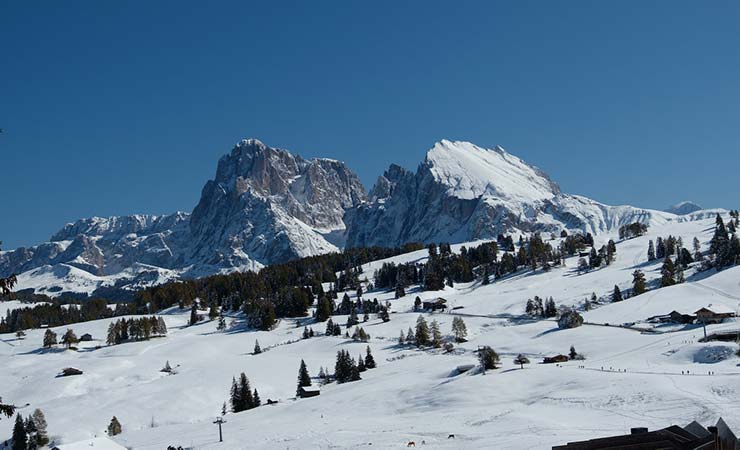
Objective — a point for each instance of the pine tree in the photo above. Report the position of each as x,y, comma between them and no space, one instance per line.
304,379
410,338
221,323
402,339
421,337
459,329
667,273
194,313
638,283
20,438
167,368
360,364
213,311
436,334
488,358
114,428
234,398
329,327
50,338
256,399
41,437
245,393
679,276
369,360
69,338
572,354
550,308
617,294
257,348
651,251
323,309
306,334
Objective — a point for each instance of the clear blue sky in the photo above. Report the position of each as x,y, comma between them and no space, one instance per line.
124,107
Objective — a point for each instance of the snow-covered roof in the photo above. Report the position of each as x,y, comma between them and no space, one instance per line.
717,309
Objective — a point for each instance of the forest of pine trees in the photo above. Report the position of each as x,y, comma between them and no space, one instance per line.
137,329
54,314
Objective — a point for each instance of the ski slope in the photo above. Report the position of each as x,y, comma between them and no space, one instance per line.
628,378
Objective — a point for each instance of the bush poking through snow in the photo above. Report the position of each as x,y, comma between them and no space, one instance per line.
570,319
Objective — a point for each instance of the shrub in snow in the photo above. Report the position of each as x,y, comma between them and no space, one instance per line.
570,319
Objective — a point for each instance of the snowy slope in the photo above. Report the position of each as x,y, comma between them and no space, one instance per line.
629,378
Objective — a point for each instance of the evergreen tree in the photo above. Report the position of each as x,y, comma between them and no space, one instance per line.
304,379
20,438
679,275
213,311
167,368
697,250
459,330
221,323
194,313
384,316
488,358
651,251
69,338
257,348
410,338
402,339
50,338
550,308
256,399
667,273
638,283
360,364
617,294
369,360
246,401
39,421
114,428
323,309
417,303
660,250
421,337
572,354
436,334
306,333
329,327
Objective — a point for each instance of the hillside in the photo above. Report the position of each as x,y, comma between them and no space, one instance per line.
629,378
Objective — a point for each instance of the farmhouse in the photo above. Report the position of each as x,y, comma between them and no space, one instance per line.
87,337
714,314
433,305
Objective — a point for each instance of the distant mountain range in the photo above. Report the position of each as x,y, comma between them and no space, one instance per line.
266,205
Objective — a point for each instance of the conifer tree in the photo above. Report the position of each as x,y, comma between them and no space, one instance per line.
20,438
360,364
667,273
221,323
572,353
304,379
488,358
213,311
329,327
69,338
617,294
410,338
257,348
114,428
651,251
246,401
436,340
401,339
323,309
369,360
50,338
256,400
638,283
459,330
38,420
421,337
194,313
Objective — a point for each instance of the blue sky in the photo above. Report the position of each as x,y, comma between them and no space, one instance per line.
124,107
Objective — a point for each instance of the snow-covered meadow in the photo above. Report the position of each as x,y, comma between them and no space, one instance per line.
629,378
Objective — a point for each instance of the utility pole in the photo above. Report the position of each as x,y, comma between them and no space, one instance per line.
219,421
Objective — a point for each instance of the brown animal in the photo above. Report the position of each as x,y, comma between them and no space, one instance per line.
411,444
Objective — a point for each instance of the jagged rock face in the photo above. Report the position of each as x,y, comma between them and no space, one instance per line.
268,205
463,192
264,206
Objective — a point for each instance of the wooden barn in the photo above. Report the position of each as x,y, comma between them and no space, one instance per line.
555,359
310,391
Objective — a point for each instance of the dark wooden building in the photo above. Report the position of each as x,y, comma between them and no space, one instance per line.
433,305
714,314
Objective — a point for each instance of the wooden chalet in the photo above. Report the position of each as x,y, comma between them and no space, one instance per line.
714,314
673,317
433,305
555,359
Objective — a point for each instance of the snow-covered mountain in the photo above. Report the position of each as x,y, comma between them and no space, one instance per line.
683,208
465,192
266,205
